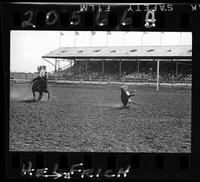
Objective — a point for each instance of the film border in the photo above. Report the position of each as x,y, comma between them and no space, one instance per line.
173,166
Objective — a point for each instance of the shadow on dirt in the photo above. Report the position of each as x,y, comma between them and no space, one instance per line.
30,100
115,106
124,107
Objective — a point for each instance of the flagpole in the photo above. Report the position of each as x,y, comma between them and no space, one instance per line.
60,41
108,33
124,39
58,59
177,59
90,39
142,38
74,39
107,39
161,38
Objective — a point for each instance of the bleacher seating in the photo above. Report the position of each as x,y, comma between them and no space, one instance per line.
78,73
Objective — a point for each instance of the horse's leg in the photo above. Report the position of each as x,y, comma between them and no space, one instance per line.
40,96
33,93
48,94
46,91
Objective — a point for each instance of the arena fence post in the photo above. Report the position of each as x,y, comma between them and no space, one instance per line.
158,67
138,66
177,68
102,67
70,62
86,67
58,68
55,65
120,68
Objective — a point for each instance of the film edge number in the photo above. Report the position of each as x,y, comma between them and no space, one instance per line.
101,19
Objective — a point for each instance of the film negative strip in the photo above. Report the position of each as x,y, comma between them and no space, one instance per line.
101,90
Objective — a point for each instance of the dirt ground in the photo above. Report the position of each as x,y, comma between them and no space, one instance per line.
90,119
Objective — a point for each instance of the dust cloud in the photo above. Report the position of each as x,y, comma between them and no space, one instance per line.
20,92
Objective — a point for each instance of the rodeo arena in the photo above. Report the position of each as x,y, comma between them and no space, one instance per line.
85,112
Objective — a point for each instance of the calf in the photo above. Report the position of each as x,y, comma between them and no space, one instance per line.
125,95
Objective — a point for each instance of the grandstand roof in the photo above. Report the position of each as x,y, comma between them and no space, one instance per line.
173,51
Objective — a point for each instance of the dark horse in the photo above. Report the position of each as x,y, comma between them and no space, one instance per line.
40,85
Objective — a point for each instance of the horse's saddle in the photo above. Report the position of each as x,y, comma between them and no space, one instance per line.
40,83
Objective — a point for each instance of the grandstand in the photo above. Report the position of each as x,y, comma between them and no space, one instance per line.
154,64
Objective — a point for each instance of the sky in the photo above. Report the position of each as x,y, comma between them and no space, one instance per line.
28,47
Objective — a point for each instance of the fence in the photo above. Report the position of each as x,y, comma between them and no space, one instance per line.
23,76
142,78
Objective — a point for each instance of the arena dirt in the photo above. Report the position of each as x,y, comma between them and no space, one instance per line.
84,119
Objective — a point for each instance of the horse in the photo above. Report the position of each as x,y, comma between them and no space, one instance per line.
40,85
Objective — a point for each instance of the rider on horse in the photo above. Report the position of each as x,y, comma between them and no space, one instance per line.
42,74
40,83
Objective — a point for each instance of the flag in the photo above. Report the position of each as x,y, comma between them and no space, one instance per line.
76,33
93,32
61,33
